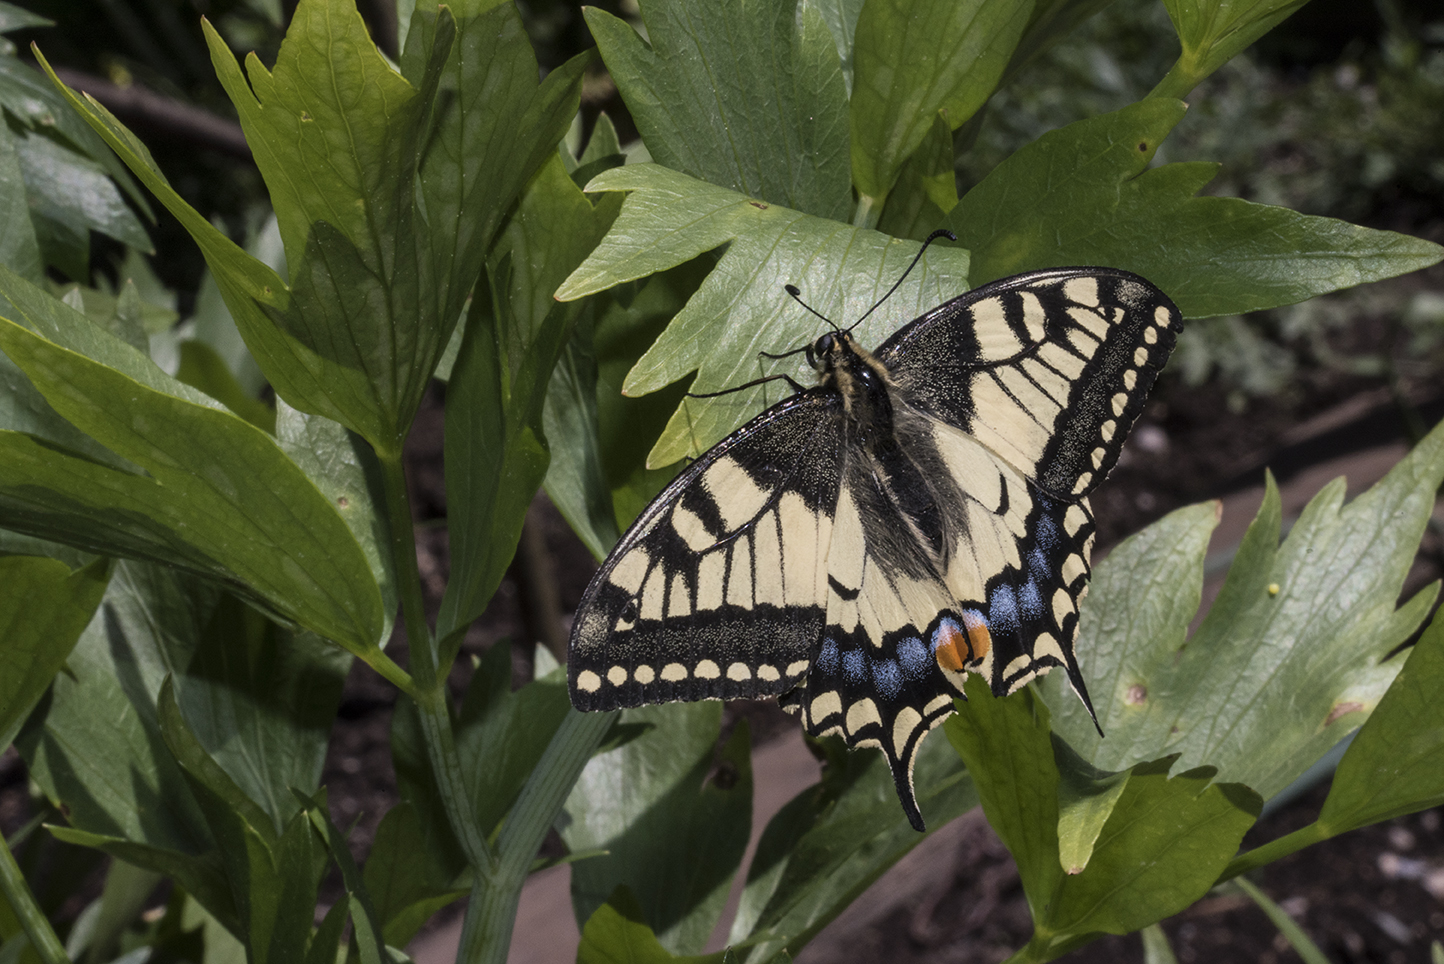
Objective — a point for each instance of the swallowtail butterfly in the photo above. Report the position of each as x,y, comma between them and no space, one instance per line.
922,513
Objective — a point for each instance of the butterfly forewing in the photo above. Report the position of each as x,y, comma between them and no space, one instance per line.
1049,369
719,588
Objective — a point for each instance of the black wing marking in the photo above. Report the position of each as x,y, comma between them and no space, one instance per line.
1048,369
718,590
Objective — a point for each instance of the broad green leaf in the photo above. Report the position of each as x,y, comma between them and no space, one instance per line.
1290,656
260,701
221,498
73,190
326,942
617,933
741,309
1162,848
94,745
1212,32
1162,845
926,187
203,369
344,468
402,877
43,610
746,96
337,135
574,480
18,18
1006,746
254,293
1086,798
1084,194
31,99
830,842
914,60
673,836
1396,763
19,251
496,452
270,867
841,19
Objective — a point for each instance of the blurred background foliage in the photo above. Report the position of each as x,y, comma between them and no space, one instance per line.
1336,113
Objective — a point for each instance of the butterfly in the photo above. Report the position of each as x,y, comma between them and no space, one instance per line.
920,514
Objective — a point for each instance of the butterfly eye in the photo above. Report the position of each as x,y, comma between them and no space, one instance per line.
821,348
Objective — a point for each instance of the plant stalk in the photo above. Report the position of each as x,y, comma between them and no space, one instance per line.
431,697
32,918
486,932
1274,849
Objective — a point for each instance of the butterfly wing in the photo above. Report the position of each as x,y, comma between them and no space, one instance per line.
949,563
1048,369
718,590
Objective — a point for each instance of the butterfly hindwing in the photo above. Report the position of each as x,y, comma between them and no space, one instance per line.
1048,369
718,591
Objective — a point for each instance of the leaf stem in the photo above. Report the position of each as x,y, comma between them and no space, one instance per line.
869,211
32,918
1179,82
430,688
1274,849
1287,926
486,932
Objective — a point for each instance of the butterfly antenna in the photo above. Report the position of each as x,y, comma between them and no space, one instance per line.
939,233
796,294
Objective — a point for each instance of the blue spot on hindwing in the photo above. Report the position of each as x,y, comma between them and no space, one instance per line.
914,658
854,666
827,657
1030,600
887,678
1003,612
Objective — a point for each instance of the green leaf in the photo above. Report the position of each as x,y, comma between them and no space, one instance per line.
402,877
17,18
270,867
673,836
741,309
746,96
1212,32
1289,658
202,368
1086,798
365,924
616,933
914,60
77,192
1005,744
496,452
575,481
1164,845
94,745
19,250
1084,195
830,842
43,611
326,942
221,498
261,700
926,187
254,293
1396,763
841,19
